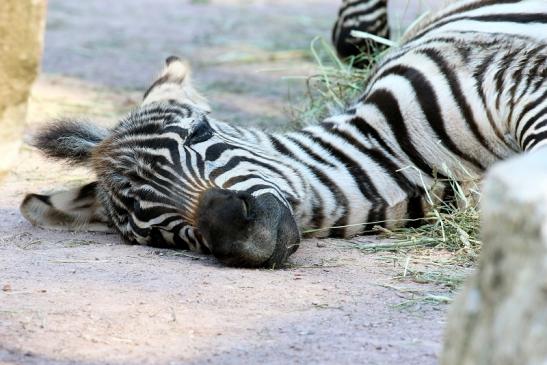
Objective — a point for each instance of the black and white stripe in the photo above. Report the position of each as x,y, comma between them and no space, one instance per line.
466,89
364,15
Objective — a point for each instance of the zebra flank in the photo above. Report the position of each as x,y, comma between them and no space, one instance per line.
466,88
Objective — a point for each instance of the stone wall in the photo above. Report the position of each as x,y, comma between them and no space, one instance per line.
21,37
500,318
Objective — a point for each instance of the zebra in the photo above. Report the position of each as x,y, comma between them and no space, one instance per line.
369,16
466,88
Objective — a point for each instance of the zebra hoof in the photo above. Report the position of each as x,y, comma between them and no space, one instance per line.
247,231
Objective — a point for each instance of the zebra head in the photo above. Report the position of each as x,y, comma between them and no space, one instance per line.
160,180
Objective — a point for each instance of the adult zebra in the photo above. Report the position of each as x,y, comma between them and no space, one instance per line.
467,88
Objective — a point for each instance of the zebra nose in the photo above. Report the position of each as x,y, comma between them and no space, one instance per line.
224,210
243,230
223,218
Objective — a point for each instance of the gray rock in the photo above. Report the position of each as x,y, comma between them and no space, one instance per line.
501,315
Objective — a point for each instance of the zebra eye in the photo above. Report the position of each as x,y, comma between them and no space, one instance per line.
136,206
200,132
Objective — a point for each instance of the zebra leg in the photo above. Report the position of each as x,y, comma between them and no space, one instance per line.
533,121
535,136
528,109
74,209
364,15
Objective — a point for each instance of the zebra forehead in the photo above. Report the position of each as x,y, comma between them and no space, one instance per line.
146,122
157,115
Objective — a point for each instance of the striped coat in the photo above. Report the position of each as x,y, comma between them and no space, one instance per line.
466,88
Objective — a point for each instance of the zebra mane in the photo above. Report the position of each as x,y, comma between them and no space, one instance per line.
69,140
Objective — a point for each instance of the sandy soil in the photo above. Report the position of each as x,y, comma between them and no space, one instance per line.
84,298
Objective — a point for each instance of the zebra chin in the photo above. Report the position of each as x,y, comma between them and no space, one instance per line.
247,231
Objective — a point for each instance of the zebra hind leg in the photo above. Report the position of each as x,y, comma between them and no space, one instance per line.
362,15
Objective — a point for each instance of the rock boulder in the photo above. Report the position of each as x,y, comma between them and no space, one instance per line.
500,318
21,37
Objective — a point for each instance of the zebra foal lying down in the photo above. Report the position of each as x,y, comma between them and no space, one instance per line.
467,88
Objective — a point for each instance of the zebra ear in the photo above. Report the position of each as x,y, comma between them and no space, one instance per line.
74,209
69,140
175,83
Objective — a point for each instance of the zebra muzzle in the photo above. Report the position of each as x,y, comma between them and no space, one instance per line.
247,231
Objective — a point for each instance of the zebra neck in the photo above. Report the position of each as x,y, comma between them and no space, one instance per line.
341,173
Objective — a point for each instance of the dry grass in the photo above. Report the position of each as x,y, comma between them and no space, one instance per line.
334,87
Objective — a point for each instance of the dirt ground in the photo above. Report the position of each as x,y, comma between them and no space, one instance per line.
86,298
